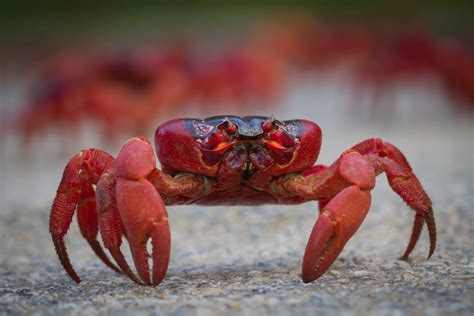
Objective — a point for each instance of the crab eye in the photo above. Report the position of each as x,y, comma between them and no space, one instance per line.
270,124
229,127
267,126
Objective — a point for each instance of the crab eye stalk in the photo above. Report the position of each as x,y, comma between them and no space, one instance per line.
229,127
270,124
267,125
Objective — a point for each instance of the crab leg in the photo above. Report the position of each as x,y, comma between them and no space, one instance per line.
74,191
62,211
181,188
142,210
88,221
342,211
110,223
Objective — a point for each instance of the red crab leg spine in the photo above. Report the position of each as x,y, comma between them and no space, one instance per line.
93,162
142,210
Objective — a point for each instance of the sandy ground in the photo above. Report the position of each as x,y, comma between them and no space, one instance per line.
246,260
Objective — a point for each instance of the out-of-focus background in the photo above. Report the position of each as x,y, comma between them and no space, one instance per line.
97,74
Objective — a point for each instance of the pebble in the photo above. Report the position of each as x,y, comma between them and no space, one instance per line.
470,265
361,273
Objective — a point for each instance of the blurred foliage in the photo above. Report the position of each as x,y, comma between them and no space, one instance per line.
30,16
32,27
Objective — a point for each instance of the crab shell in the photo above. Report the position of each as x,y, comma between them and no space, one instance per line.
180,144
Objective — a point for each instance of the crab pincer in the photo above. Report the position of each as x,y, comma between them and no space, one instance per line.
338,222
342,216
142,210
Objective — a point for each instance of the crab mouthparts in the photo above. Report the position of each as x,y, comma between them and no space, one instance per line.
247,170
254,157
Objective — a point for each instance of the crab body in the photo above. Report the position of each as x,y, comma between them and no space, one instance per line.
226,160
240,155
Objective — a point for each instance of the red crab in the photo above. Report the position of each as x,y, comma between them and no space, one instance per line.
416,54
226,160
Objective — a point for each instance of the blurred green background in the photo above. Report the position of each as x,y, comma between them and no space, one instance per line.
61,20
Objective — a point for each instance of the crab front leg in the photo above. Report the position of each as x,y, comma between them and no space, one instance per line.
127,202
140,192
343,190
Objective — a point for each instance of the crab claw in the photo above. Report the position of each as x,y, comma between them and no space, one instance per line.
142,210
338,222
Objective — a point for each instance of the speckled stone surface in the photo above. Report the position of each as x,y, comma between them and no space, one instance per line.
246,260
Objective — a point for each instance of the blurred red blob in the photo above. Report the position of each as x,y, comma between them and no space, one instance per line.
118,93
128,92
413,54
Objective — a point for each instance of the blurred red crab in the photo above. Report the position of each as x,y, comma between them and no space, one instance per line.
226,160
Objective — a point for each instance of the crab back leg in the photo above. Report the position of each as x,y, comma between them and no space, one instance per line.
75,192
142,209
